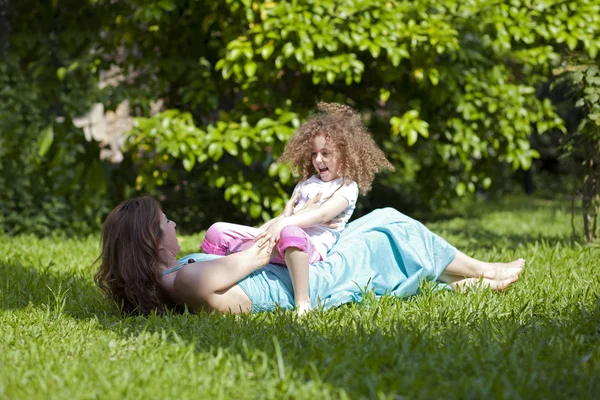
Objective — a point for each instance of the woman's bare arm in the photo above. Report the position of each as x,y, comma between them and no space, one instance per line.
204,283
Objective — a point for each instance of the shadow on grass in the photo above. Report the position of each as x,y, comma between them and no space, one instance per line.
49,286
476,234
518,204
366,349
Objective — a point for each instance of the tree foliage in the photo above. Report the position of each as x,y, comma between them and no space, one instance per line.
583,75
447,88
51,177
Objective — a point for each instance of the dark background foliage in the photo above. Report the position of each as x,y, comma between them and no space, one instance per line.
462,96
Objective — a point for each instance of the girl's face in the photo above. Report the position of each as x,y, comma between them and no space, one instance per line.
169,241
325,159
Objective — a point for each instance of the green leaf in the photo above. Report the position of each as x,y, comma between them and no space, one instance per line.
395,59
384,94
487,182
61,73
374,49
330,77
73,66
284,174
245,142
250,68
264,123
220,181
524,161
273,169
189,162
255,210
266,51
422,127
234,54
247,158
45,140
434,76
230,147
288,49
213,150
410,115
226,72
412,137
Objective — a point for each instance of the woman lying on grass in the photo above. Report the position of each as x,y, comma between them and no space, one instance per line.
384,251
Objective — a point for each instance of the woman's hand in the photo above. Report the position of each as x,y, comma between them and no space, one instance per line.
260,253
270,236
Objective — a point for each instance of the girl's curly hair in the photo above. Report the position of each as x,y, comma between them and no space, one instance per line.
128,273
341,126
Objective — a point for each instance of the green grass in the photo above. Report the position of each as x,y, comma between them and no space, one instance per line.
539,339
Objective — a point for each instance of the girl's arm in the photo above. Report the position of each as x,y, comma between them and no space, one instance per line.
287,211
200,284
327,211
311,204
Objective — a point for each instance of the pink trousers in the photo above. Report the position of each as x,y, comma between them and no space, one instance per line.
223,238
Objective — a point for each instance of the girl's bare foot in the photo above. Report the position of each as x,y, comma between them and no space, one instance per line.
494,284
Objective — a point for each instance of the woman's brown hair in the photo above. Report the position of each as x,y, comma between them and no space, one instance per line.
128,273
342,127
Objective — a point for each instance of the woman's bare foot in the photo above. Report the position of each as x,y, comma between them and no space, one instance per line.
303,308
494,284
503,271
464,266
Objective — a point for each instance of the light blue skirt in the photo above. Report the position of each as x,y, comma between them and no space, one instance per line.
384,251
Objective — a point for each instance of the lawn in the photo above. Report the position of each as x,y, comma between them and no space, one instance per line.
538,339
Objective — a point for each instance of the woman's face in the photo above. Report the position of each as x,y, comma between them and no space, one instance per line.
169,241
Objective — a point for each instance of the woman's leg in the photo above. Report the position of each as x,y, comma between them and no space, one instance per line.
467,271
468,267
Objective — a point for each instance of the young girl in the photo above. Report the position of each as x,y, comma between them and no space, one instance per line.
336,145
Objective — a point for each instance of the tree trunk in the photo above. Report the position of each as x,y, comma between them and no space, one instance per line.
590,199
4,28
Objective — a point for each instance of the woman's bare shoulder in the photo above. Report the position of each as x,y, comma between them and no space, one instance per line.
187,286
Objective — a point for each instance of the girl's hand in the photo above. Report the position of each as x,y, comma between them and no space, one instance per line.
270,236
335,223
310,204
289,207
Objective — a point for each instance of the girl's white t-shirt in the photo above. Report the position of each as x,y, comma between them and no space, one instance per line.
324,237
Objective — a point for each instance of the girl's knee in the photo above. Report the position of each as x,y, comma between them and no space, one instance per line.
292,237
291,231
213,239
214,232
